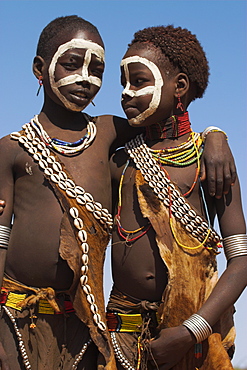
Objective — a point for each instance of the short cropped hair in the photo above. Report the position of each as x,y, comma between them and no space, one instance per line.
61,26
183,51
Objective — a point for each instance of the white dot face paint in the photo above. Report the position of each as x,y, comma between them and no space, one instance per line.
155,90
91,49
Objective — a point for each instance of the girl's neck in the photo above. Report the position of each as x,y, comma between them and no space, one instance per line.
174,127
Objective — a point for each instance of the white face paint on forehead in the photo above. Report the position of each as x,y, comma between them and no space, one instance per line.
148,90
91,49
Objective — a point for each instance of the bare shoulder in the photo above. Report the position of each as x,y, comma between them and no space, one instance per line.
9,148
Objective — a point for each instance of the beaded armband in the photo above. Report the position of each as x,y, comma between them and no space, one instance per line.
212,129
235,245
199,327
4,236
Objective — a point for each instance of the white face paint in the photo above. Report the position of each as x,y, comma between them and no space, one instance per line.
91,49
148,90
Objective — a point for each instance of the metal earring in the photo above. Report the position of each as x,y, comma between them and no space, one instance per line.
180,104
40,84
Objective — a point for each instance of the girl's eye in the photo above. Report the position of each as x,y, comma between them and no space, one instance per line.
70,66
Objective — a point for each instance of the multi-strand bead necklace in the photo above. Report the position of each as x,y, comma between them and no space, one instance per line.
182,155
66,147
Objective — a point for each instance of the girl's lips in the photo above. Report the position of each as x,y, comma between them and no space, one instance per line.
131,112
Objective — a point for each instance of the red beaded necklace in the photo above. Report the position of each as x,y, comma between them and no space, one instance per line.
173,127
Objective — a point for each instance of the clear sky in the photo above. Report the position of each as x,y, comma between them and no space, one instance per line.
220,26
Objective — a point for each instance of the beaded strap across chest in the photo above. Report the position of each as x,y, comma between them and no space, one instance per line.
53,168
167,192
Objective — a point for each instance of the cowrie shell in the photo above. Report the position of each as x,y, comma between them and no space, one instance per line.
198,219
41,146
80,199
70,183
27,145
70,192
84,259
32,150
87,289
186,207
192,213
85,247
189,228
84,270
204,225
183,221
37,157
88,197
97,214
62,185
97,206
147,177
62,175
82,234
55,178
35,141
78,223
30,136
79,190
48,171
22,139
96,318
101,326
74,212
167,202
15,135
90,298
83,279
46,152
94,308
57,166
89,207
105,212
51,159
43,164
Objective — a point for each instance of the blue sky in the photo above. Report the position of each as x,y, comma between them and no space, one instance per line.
220,26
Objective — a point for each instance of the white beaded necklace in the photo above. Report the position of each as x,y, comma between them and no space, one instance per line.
64,147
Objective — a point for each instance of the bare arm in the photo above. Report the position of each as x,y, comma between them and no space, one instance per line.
217,165
173,343
7,154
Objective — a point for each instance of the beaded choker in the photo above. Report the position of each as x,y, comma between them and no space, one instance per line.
173,127
65,147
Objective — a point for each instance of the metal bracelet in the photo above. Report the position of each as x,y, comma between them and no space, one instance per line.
235,245
4,236
198,326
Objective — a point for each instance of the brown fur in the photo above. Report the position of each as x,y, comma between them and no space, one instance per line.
185,294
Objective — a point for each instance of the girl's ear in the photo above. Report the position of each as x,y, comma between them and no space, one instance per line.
38,65
183,84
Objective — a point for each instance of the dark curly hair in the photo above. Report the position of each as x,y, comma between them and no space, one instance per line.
183,51
61,26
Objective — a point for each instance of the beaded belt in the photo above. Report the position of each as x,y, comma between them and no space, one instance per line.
12,300
127,323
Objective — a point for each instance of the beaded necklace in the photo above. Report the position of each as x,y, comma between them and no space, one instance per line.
166,191
128,235
173,127
65,147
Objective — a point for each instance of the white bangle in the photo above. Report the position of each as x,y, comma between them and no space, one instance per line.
4,236
212,129
235,245
199,327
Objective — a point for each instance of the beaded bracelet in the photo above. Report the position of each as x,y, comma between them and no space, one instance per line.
212,129
235,245
199,327
4,236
